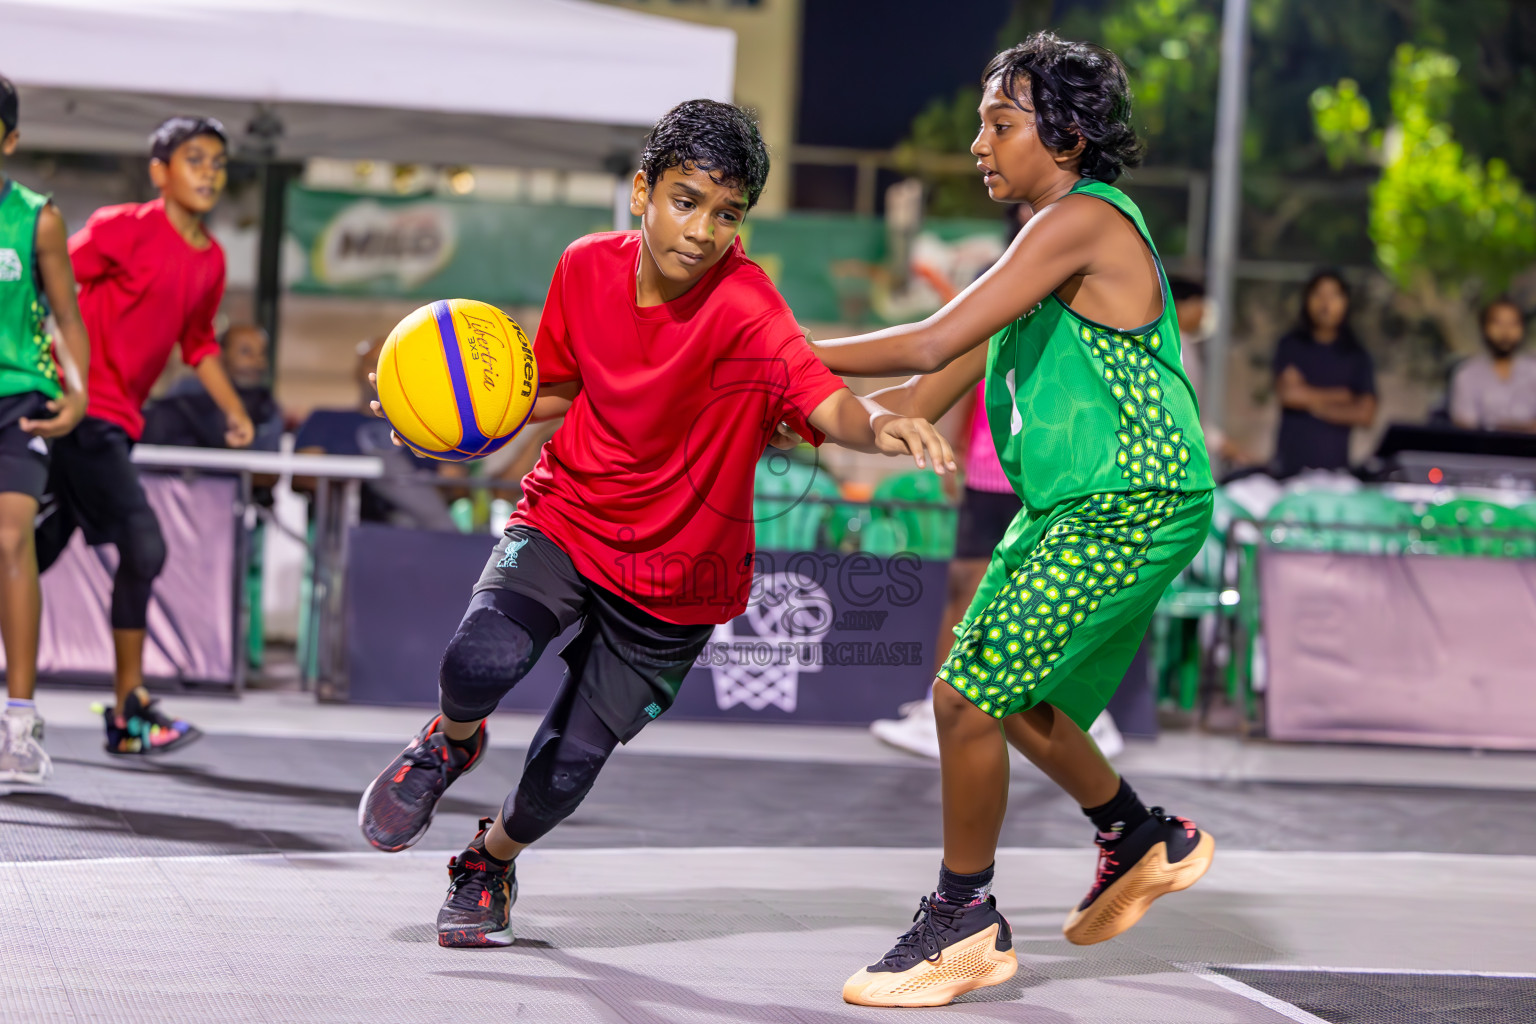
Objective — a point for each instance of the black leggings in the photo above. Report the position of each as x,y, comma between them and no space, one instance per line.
498,641
94,485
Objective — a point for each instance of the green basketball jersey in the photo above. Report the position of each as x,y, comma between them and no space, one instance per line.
1078,408
26,351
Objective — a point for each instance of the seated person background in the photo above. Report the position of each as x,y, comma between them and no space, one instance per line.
186,414
400,498
1497,390
1325,381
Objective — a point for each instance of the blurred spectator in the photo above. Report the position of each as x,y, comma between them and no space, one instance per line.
1497,390
187,415
1190,306
401,497
1325,381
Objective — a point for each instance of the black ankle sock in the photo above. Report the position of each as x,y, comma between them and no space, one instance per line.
964,889
478,845
1122,814
470,746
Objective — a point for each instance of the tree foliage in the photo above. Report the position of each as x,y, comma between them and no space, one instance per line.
1439,215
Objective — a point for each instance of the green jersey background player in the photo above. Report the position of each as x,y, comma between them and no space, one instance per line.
1096,425
35,277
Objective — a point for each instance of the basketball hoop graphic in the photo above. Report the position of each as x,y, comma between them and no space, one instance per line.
790,614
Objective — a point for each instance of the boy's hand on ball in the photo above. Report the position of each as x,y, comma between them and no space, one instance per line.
898,435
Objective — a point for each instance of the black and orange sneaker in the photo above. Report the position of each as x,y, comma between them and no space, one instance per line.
478,910
141,728
1163,854
950,950
397,807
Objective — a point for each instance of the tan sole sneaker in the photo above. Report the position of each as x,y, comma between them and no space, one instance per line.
1123,903
969,964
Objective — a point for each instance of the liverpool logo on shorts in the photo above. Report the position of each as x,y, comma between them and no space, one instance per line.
509,557
10,265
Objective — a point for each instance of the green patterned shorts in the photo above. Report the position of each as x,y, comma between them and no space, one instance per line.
1067,598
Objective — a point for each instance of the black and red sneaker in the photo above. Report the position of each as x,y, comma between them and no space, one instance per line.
478,910
398,805
1163,854
139,727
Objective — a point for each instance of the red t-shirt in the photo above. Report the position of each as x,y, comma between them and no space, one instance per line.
648,483
143,289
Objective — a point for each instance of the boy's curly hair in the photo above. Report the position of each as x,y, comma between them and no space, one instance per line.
718,138
1078,90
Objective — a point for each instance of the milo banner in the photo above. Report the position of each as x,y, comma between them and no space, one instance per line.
831,268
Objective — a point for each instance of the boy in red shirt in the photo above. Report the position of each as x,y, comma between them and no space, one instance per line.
151,278
673,360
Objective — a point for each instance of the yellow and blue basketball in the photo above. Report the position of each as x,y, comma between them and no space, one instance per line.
457,379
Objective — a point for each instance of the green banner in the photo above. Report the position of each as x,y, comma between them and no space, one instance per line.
830,268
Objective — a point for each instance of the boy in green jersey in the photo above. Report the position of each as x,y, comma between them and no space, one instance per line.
40,398
1096,426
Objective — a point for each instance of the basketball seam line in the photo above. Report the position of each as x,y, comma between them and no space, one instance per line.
419,417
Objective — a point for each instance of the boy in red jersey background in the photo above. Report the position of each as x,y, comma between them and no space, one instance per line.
151,278
673,360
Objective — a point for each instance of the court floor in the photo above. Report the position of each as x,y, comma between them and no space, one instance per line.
717,875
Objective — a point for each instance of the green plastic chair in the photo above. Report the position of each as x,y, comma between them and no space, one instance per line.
785,521
1454,528
1306,521
255,634
1193,595
926,532
883,537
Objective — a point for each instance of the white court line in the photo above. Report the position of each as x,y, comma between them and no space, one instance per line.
1366,970
1280,1006
1296,1013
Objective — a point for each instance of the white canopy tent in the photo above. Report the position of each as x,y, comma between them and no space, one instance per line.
548,83
560,84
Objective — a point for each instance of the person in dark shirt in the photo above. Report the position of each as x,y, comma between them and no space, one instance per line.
186,415
400,497
1324,379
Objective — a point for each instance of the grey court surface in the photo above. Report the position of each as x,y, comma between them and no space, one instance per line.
743,884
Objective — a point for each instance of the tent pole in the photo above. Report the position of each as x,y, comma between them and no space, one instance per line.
269,267
1226,206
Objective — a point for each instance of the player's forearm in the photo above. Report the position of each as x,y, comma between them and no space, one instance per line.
74,354
74,349
211,372
929,396
554,401
910,348
849,420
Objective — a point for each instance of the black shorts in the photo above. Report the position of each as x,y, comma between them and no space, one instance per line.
984,518
627,663
23,457
93,480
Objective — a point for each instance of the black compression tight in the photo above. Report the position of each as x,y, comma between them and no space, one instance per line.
571,747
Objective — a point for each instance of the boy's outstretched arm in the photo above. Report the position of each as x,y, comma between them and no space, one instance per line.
240,432
74,348
1051,249
926,396
866,426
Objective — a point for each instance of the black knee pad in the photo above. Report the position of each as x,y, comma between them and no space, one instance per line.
141,547
555,781
487,656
